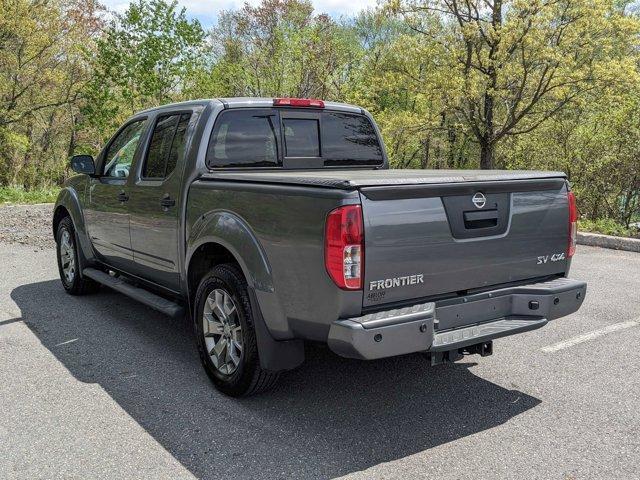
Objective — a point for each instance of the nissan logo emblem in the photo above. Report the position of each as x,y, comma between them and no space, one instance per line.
479,200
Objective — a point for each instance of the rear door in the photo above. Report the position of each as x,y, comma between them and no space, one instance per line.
428,240
153,203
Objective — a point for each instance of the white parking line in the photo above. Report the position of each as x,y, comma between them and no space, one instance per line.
590,336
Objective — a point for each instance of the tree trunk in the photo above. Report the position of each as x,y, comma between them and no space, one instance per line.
426,145
628,206
487,143
452,138
486,155
72,138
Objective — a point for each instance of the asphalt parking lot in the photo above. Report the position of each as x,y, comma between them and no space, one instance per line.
102,387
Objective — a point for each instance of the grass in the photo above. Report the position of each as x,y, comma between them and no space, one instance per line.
18,195
607,226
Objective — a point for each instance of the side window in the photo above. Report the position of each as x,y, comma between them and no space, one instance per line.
120,154
176,154
166,148
244,138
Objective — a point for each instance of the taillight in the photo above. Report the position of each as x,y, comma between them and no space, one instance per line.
298,102
573,224
344,247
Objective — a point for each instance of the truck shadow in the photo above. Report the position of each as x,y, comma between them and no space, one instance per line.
330,417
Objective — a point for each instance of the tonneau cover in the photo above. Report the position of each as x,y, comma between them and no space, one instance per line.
352,179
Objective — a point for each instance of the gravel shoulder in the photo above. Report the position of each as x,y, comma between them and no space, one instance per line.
28,225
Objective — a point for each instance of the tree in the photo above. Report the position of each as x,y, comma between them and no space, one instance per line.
519,62
146,57
400,79
597,143
42,73
279,48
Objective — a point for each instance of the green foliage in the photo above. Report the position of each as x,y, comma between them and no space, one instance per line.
41,75
401,81
507,66
279,48
607,226
597,143
22,196
145,57
521,84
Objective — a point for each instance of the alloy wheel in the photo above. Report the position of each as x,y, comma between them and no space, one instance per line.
222,331
67,256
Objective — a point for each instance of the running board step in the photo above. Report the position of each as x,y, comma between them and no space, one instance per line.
140,294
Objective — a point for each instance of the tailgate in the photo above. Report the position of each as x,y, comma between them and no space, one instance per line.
426,240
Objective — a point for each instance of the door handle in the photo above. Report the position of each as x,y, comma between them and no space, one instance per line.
481,219
491,214
123,197
167,202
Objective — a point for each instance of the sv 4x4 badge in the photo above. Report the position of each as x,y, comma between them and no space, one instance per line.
556,257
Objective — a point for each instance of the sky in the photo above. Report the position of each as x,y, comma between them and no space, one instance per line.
207,10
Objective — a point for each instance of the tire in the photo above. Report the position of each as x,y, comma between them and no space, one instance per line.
228,348
68,262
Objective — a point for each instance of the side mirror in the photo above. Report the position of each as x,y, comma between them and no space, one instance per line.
83,164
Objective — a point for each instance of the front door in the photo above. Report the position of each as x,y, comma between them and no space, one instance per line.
106,210
153,206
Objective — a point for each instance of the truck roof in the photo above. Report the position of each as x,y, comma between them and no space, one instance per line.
244,102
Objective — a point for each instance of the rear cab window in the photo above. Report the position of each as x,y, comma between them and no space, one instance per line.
301,137
349,140
292,138
244,138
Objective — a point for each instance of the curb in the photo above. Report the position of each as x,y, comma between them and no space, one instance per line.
608,241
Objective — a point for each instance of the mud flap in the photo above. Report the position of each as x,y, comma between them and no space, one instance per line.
275,355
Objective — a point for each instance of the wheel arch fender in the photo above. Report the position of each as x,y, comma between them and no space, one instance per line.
68,204
234,234
229,231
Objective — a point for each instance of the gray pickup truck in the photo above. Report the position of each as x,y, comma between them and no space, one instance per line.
271,222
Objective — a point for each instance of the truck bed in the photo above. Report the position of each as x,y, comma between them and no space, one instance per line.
425,237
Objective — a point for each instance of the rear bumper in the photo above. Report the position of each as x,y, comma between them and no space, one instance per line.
456,323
